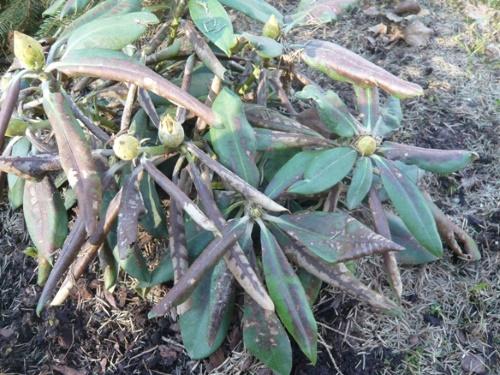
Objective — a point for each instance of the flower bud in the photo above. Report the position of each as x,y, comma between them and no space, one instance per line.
366,145
28,51
170,133
126,147
271,28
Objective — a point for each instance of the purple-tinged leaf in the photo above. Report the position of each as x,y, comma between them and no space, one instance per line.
343,65
75,156
20,147
438,161
30,167
9,105
311,284
272,140
410,205
288,295
333,236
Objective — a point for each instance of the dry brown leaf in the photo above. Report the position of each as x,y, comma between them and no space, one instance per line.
416,34
65,370
473,364
380,29
406,7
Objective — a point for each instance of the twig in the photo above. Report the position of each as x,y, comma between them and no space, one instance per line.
127,109
180,115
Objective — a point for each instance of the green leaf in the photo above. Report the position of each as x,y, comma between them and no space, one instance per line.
413,253
327,169
361,183
332,110
390,118
367,99
410,205
265,47
311,284
194,323
438,161
212,20
259,10
288,295
291,172
272,140
53,8
104,9
21,147
154,217
233,139
333,236
72,7
111,32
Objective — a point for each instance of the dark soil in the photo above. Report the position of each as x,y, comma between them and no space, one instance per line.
97,332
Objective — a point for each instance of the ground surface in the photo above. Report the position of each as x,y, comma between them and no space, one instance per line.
451,322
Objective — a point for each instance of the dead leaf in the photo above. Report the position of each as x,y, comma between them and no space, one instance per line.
6,332
372,11
473,364
65,370
391,16
406,7
416,34
380,29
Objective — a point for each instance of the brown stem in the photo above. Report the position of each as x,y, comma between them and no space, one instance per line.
262,88
127,109
215,88
180,115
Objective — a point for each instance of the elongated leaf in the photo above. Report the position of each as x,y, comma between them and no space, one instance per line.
268,118
194,323
390,117
234,140
291,172
288,295
337,275
111,32
30,167
75,156
45,216
361,182
367,99
343,65
317,12
332,110
212,20
311,284
259,10
325,170
333,236
104,9
413,253
438,161
263,334
72,7
53,8
21,147
117,66
265,47
410,205
154,219
272,140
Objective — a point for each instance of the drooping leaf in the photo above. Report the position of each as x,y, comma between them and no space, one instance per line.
259,10
288,295
337,275
106,8
212,20
21,147
30,167
265,47
333,236
361,182
194,323
390,118
332,110
291,172
317,12
113,32
367,100
45,216
343,65
117,66
233,139
438,161
414,253
410,205
75,156
327,169
263,334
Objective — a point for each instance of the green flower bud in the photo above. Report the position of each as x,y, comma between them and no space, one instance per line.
366,145
28,51
126,147
271,28
170,133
